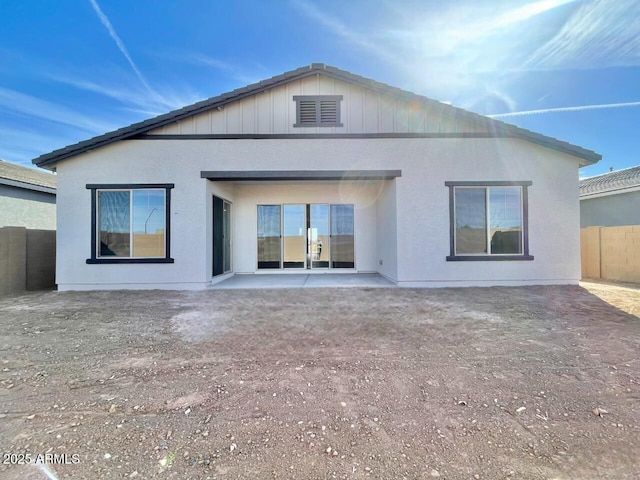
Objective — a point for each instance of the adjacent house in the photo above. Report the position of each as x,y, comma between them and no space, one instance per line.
611,199
317,170
27,197
27,228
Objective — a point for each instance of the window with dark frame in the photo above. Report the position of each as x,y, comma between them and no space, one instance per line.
317,110
130,223
488,221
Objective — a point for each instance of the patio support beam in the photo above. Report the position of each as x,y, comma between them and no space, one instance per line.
273,175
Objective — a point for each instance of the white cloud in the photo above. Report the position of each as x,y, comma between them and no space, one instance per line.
234,71
448,50
21,145
601,33
107,24
28,105
135,99
565,109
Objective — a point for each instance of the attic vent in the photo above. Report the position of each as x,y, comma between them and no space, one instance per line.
317,111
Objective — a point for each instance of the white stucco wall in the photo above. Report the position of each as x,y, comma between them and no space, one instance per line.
420,198
387,231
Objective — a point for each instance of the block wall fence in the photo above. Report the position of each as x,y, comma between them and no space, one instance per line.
27,259
611,253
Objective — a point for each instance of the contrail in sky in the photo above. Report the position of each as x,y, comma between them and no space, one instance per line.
565,109
105,21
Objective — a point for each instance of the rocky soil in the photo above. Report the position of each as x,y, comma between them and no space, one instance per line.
486,383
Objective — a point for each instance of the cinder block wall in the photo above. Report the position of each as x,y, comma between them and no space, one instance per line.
611,253
13,259
27,259
590,252
41,259
620,247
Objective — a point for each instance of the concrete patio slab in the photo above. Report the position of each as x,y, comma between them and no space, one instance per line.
314,280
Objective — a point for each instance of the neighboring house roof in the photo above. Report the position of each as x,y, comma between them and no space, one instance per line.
610,183
27,178
499,128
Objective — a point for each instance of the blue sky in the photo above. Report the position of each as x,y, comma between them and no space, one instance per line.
70,70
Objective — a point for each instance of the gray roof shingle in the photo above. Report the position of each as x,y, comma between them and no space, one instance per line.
611,182
497,126
24,175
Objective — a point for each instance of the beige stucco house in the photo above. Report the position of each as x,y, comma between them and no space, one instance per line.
317,170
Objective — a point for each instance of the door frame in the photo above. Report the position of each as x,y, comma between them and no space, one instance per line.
224,202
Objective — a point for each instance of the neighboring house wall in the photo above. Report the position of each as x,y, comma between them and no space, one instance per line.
361,111
610,210
408,215
20,207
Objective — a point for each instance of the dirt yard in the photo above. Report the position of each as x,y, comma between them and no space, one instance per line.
498,383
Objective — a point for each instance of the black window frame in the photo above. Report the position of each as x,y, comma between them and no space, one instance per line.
95,187
318,99
453,257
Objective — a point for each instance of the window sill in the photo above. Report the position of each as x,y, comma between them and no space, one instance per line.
96,261
488,258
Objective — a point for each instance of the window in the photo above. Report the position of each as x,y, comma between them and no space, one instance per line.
488,221
130,223
317,111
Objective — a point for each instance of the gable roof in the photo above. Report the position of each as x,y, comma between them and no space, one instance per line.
498,127
27,178
612,182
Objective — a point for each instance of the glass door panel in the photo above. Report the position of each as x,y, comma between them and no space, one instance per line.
318,236
269,241
226,233
342,228
294,226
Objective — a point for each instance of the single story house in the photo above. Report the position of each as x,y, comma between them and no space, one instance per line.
611,199
27,197
317,170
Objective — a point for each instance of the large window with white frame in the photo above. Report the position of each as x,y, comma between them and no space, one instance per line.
489,220
130,223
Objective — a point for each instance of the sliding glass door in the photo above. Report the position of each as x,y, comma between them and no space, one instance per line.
318,244
221,236
342,236
269,245
306,236
293,229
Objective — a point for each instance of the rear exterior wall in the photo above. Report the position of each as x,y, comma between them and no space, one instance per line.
409,216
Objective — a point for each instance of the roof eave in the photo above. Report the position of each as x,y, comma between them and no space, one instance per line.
27,186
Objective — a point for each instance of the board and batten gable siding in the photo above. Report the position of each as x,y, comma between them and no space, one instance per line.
361,111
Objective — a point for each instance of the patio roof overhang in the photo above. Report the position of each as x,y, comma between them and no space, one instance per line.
278,175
